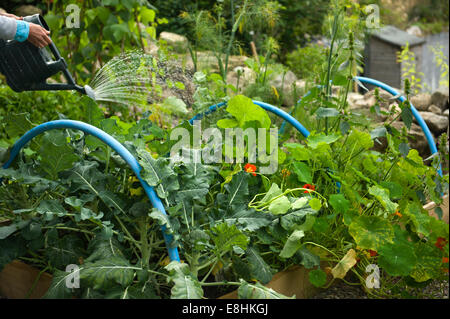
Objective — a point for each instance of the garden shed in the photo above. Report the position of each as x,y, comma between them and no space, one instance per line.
380,56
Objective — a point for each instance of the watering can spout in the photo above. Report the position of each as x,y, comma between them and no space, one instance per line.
89,92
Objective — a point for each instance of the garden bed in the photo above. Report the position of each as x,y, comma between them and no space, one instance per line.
19,280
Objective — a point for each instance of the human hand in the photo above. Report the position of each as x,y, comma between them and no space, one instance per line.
10,15
39,36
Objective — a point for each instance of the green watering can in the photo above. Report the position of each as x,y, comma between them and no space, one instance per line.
27,67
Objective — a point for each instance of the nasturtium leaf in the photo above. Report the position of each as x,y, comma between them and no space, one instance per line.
186,285
292,244
227,123
303,172
339,203
307,258
317,277
258,291
244,110
315,203
298,151
344,265
382,195
280,206
419,218
259,269
395,189
428,264
358,140
371,232
273,191
106,273
316,140
397,259
300,203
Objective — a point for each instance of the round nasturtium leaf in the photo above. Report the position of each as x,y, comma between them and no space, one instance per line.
317,277
371,232
397,259
428,265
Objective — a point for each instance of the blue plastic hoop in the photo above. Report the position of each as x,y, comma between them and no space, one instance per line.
116,146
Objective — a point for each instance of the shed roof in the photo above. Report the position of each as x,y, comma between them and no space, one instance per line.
396,36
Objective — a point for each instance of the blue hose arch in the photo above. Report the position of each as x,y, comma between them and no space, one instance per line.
416,114
116,146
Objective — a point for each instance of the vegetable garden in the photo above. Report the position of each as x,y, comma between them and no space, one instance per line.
95,184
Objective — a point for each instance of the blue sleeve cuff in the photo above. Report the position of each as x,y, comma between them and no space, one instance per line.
22,31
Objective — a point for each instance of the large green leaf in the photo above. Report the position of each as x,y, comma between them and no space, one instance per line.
316,140
339,203
317,277
103,247
58,288
248,220
280,206
382,195
236,194
371,232
158,173
303,172
244,110
107,273
397,259
429,262
259,269
258,291
186,285
56,154
292,244
226,236
62,251
419,218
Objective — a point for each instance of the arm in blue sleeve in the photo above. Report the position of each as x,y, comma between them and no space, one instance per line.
22,31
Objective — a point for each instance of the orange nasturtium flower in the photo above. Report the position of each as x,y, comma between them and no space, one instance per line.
445,260
372,253
309,186
250,168
398,214
440,243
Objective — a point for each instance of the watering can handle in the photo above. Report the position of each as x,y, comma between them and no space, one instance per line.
57,55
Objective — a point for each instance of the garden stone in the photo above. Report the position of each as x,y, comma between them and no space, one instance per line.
421,101
436,123
440,98
353,98
178,42
434,109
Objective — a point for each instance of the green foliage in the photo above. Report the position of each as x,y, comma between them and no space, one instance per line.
306,62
